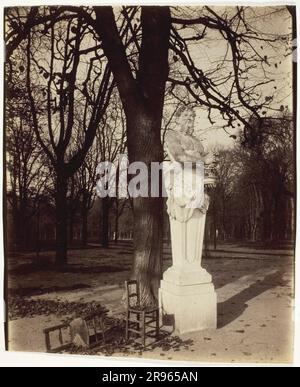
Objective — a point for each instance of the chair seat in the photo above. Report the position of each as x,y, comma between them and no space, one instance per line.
146,309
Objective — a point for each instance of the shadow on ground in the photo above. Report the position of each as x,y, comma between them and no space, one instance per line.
234,307
30,268
34,291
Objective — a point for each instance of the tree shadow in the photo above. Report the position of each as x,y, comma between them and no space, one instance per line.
274,254
30,268
232,272
234,307
37,290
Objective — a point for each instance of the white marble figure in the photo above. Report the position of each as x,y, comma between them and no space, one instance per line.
182,146
186,290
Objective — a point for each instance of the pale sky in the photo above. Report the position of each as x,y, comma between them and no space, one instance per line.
208,52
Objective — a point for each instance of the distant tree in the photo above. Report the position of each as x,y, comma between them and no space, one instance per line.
28,175
255,191
112,143
222,194
63,80
269,170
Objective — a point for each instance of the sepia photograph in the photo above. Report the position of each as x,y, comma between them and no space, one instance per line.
149,182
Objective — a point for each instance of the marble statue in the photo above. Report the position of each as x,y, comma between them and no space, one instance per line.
184,210
186,288
182,146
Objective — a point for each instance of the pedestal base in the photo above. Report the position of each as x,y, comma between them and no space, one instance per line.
191,306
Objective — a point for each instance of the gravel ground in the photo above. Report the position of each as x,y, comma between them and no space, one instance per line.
255,304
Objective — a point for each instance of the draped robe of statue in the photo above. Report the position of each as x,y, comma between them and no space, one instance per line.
186,290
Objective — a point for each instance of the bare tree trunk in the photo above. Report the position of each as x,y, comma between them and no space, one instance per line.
147,267
143,100
37,246
16,227
116,222
71,226
72,210
255,211
84,226
147,212
292,218
61,219
19,222
105,216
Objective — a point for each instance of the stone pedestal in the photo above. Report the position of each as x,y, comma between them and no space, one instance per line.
192,307
187,295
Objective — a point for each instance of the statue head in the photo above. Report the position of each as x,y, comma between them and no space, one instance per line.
185,118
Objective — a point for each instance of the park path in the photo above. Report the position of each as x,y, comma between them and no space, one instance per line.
255,305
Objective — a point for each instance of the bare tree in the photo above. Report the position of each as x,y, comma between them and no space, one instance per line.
254,195
112,143
155,53
27,172
64,89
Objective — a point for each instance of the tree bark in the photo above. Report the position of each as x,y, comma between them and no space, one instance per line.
71,226
61,219
72,210
84,227
292,219
147,267
105,217
147,212
117,222
37,246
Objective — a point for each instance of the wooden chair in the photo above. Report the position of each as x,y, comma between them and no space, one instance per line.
63,342
61,333
138,318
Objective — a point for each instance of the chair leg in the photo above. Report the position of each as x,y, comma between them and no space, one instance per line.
143,328
157,324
